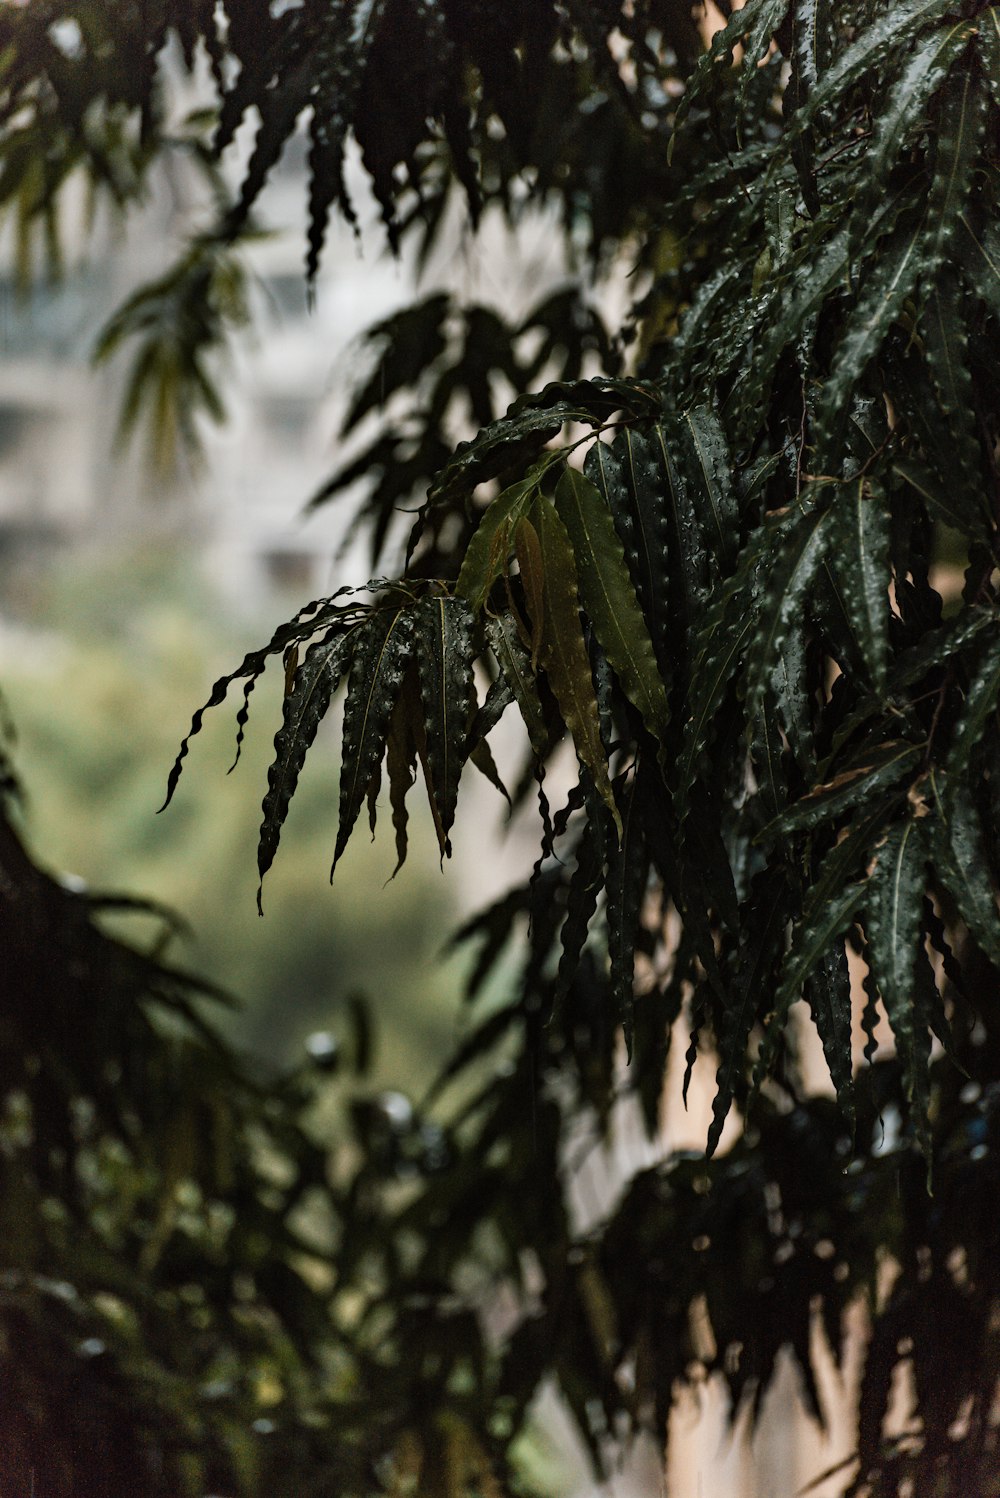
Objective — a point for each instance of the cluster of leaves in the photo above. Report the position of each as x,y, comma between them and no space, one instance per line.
716,577
451,368
786,736
542,105
188,1278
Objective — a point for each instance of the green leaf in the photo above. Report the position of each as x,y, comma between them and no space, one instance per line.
981,702
765,920
884,291
718,656
564,652
381,654
598,399
886,765
315,681
514,663
989,46
444,668
488,551
859,562
978,249
529,561
765,18
944,325
959,129
820,925
828,994
504,444
796,545
628,873
960,861
875,45
307,622
401,763
719,510
608,597
581,902
905,109
629,476
893,927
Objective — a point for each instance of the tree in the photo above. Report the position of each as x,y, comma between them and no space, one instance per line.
715,567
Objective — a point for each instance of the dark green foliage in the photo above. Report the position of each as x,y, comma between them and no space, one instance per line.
721,574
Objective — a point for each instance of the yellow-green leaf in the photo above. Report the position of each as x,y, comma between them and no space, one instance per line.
564,652
609,598
486,558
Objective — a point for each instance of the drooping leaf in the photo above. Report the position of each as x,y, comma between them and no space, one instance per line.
444,654
959,127
307,622
886,34
989,45
820,926
631,477
503,445
828,994
718,508
581,903
926,67
514,663
859,562
608,597
888,764
958,854
766,917
946,339
528,549
564,653
380,657
488,551
401,761
796,549
628,872
314,683
893,905
982,701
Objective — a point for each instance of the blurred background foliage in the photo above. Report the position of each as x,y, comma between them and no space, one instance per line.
100,677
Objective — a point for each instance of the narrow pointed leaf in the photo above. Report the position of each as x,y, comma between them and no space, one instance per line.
893,926
488,551
887,765
945,329
859,561
314,683
608,597
564,652
581,902
529,561
444,668
514,663
378,666
628,873
989,44
811,941
307,622
514,439
959,858
766,921
718,507
906,106
400,764
796,551
875,44
981,703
